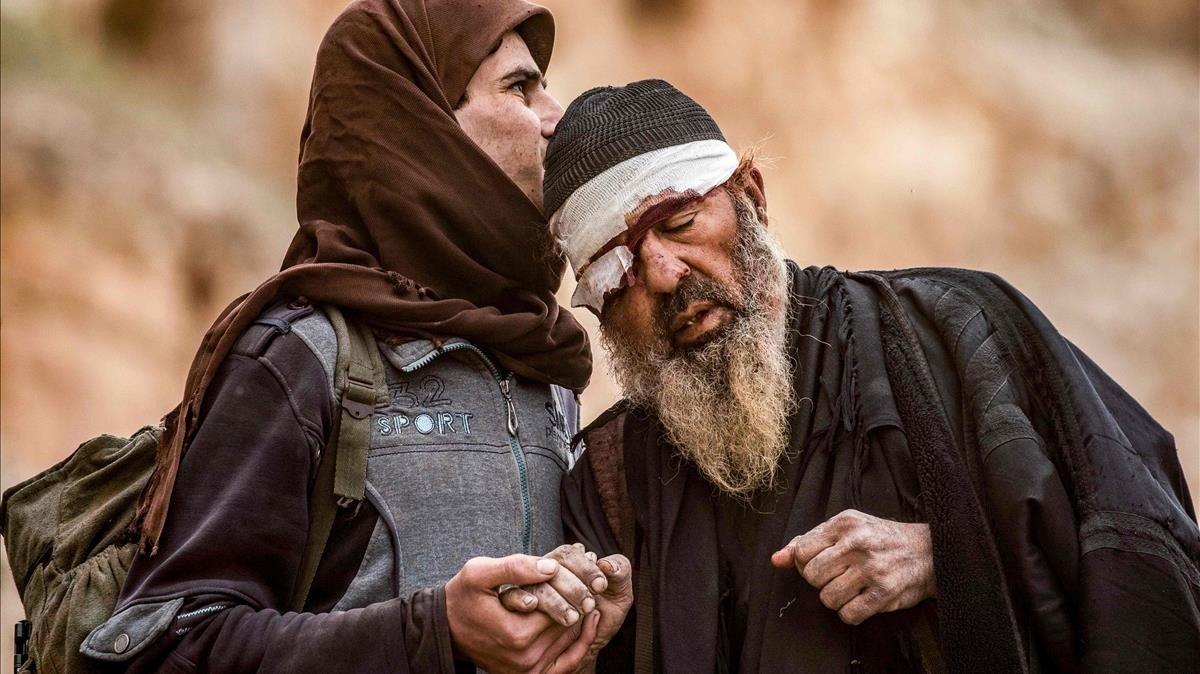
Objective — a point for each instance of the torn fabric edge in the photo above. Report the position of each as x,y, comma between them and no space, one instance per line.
606,274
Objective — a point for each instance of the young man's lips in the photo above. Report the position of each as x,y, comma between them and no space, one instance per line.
697,321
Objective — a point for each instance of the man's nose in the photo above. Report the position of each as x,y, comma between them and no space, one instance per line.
551,113
662,270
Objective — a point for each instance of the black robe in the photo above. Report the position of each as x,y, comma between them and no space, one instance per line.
1064,536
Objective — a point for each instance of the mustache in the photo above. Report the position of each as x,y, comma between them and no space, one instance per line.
695,287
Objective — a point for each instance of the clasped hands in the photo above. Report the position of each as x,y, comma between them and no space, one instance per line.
554,614
551,614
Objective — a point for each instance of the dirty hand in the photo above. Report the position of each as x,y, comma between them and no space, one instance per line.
863,564
499,640
584,584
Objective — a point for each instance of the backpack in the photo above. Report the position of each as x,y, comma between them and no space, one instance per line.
69,532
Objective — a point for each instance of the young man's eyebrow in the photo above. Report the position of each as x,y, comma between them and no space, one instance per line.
522,73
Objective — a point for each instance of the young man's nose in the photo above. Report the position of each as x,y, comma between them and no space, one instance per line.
549,113
662,270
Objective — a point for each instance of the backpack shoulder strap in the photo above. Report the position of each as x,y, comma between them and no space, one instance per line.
359,382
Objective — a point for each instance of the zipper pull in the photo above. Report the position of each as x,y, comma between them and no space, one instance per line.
513,426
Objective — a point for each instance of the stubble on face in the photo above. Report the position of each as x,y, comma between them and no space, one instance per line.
506,110
725,401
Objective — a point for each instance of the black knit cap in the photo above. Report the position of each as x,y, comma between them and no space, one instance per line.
607,125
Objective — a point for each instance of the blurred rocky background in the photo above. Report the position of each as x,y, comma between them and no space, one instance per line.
147,154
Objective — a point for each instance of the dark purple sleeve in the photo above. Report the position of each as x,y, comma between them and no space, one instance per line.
235,535
584,522
400,635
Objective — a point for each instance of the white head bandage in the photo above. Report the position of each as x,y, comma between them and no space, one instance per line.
606,206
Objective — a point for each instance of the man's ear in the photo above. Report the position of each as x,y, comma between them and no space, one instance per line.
758,194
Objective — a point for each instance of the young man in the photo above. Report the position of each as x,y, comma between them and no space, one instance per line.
822,471
418,197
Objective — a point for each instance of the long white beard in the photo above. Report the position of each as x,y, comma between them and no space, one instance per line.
725,405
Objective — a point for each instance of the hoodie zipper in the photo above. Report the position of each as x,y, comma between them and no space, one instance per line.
512,425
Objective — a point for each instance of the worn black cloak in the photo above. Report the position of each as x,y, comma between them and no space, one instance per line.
1064,535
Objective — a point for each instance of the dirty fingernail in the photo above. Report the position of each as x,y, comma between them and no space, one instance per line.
528,600
547,566
591,556
599,584
588,605
572,617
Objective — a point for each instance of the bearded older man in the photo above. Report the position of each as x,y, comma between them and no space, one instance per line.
823,471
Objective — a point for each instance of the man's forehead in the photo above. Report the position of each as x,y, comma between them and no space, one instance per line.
510,53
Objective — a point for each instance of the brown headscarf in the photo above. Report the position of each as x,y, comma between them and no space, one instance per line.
404,221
